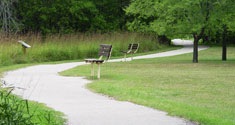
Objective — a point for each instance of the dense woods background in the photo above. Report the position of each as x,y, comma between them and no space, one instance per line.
53,16
60,16
150,16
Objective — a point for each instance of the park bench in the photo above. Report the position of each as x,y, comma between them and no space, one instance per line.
132,48
105,50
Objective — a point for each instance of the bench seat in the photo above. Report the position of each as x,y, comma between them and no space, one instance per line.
125,51
93,61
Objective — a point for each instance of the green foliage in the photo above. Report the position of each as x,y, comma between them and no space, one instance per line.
60,16
143,13
12,111
57,16
112,12
182,18
176,18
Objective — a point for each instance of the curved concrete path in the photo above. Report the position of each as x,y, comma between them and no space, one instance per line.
68,94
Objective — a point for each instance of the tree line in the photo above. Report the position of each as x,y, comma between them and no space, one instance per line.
62,16
203,20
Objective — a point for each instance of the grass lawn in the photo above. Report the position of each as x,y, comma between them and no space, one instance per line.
203,92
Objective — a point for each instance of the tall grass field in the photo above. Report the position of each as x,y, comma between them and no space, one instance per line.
69,47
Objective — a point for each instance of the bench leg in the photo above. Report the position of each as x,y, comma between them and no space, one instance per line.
125,57
132,56
98,75
24,50
92,69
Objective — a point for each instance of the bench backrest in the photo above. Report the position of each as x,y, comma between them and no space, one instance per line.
135,47
129,46
105,50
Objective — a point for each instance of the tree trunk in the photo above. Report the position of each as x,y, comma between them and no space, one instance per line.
8,18
205,39
195,49
224,51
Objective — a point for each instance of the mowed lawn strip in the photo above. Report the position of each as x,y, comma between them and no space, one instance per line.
203,92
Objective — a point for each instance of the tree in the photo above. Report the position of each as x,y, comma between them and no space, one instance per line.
112,12
58,16
66,16
179,17
228,24
224,48
8,20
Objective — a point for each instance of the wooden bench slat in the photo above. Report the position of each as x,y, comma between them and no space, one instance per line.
104,50
106,46
103,54
132,48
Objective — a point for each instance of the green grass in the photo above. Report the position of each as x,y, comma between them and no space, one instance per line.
70,47
203,92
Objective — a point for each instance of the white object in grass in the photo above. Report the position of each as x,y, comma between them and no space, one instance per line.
24,44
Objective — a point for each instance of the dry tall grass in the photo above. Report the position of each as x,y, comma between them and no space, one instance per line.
69,47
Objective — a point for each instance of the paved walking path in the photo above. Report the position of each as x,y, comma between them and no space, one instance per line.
68,94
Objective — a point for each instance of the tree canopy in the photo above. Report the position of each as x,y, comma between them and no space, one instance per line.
178,18
63,16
